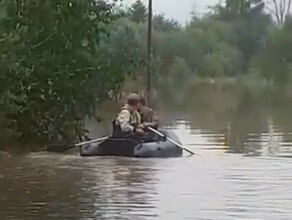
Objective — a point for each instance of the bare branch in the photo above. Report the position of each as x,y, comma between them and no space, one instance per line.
280,9
288,7
277,14
42,42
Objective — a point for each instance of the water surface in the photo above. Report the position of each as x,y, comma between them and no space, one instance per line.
242,170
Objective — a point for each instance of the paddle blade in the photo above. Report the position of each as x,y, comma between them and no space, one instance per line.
64,147
59,148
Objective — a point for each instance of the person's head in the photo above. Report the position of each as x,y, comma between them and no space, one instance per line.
141,102
133,101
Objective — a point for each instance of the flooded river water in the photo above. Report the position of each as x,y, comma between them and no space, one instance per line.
242,170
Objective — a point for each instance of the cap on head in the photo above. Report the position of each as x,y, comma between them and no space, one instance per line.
133,99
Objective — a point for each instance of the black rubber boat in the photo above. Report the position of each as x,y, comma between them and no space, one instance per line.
132,148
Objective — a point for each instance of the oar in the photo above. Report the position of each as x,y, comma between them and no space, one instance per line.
169,139
59,148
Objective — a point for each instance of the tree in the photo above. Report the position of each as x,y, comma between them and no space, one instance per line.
53,68
275,60
124,50
250,25
138,12
238,8
160,23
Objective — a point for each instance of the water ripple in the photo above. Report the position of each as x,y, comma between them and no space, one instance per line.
220,182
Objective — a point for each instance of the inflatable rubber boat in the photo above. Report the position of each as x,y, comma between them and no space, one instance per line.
132,148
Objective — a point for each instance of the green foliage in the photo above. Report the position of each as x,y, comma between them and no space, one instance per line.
123,47
160,23
53,67
249,26
179,71
221,43
138,12
275,60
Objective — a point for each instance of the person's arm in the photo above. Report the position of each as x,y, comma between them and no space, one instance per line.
154,120
124,121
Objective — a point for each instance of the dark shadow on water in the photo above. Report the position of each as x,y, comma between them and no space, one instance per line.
248,118
59,187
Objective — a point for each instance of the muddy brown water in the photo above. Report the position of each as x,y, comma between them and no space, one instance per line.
242,170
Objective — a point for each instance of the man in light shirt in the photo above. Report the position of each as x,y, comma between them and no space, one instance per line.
128,121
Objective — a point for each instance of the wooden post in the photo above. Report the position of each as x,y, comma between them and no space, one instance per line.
149,41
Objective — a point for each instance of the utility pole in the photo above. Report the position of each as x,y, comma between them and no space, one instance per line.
149,46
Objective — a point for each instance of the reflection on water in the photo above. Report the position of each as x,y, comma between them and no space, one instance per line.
211,185
242,168
237,119
66,187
